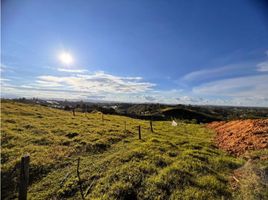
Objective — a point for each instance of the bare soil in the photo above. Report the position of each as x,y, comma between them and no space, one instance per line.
239,136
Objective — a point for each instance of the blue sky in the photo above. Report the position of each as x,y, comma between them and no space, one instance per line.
191,52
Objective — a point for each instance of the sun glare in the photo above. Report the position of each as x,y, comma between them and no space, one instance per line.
66,58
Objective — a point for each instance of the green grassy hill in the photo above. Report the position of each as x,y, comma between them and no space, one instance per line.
171,163
188,114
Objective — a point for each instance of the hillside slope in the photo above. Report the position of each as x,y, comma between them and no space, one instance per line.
171,163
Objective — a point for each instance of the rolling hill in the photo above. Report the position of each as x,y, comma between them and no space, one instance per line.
179,162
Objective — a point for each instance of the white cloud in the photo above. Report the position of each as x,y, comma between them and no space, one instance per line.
189,99
236,87
262,67
230,91
58,92
80,86
4,81
71,70
3,67
235,69
29,92
97,82
168,96
202,74
45,84
68,69
217,72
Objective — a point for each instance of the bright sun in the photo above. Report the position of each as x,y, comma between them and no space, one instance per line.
66,58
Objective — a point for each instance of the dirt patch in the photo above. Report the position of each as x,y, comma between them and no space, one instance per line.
250,181
239,136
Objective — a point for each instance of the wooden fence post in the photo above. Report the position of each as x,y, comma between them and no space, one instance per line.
125,126
79,179
73,111
139,129
151,125
85,111
102,117
24,177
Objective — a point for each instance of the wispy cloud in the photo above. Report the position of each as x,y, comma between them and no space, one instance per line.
204,73
236,87
67,69
72,70
218,72
4,81
262,67
3,67
233,84
231,70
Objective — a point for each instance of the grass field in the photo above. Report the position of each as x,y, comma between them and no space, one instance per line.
172,163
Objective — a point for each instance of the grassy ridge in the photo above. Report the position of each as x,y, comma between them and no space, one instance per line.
172,163
185,113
